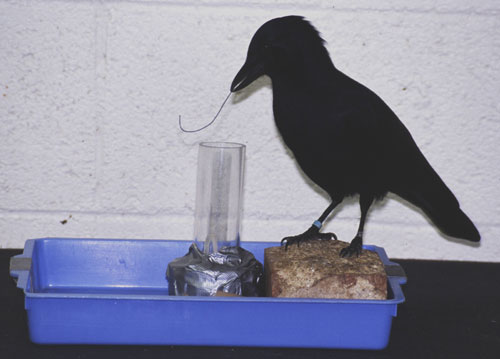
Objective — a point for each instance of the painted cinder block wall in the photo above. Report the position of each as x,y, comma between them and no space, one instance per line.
90,93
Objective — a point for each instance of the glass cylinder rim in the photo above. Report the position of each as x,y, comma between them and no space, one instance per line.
222,145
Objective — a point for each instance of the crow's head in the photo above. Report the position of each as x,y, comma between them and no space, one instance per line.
284,45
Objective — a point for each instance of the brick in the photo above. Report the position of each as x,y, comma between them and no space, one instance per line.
315,270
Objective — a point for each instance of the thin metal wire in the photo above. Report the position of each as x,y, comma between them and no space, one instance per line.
202,128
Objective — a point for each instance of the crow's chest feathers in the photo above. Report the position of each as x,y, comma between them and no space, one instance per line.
324,139
293,117
305,122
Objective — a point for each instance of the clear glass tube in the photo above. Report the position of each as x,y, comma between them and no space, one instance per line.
219,190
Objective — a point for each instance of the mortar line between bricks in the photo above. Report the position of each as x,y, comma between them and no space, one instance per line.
101,18
487,12
355,221
74,213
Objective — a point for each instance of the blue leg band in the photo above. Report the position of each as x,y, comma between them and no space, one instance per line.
318,224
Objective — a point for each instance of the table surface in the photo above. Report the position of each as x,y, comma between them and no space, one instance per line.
452,310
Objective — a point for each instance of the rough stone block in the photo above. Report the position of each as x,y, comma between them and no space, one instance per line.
315,270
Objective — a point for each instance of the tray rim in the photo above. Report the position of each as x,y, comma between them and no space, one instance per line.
22,276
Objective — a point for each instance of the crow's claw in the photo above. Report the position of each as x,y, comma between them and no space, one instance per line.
309,235
353,249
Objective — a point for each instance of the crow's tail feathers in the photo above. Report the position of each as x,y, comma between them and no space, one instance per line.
456,224
441,206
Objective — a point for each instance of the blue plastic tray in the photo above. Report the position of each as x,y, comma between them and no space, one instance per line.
102,291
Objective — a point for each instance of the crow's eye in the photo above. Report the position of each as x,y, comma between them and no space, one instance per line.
266,46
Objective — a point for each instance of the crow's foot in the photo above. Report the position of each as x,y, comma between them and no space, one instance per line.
309,235
353,249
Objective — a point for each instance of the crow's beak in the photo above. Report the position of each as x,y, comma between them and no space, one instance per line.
250,72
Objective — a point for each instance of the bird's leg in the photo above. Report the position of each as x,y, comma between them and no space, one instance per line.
365,201
313,232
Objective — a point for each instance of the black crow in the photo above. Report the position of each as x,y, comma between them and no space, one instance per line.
343,136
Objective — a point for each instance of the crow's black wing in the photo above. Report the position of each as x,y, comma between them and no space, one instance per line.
410,175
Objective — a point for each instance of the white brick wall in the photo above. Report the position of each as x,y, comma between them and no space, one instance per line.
90,93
